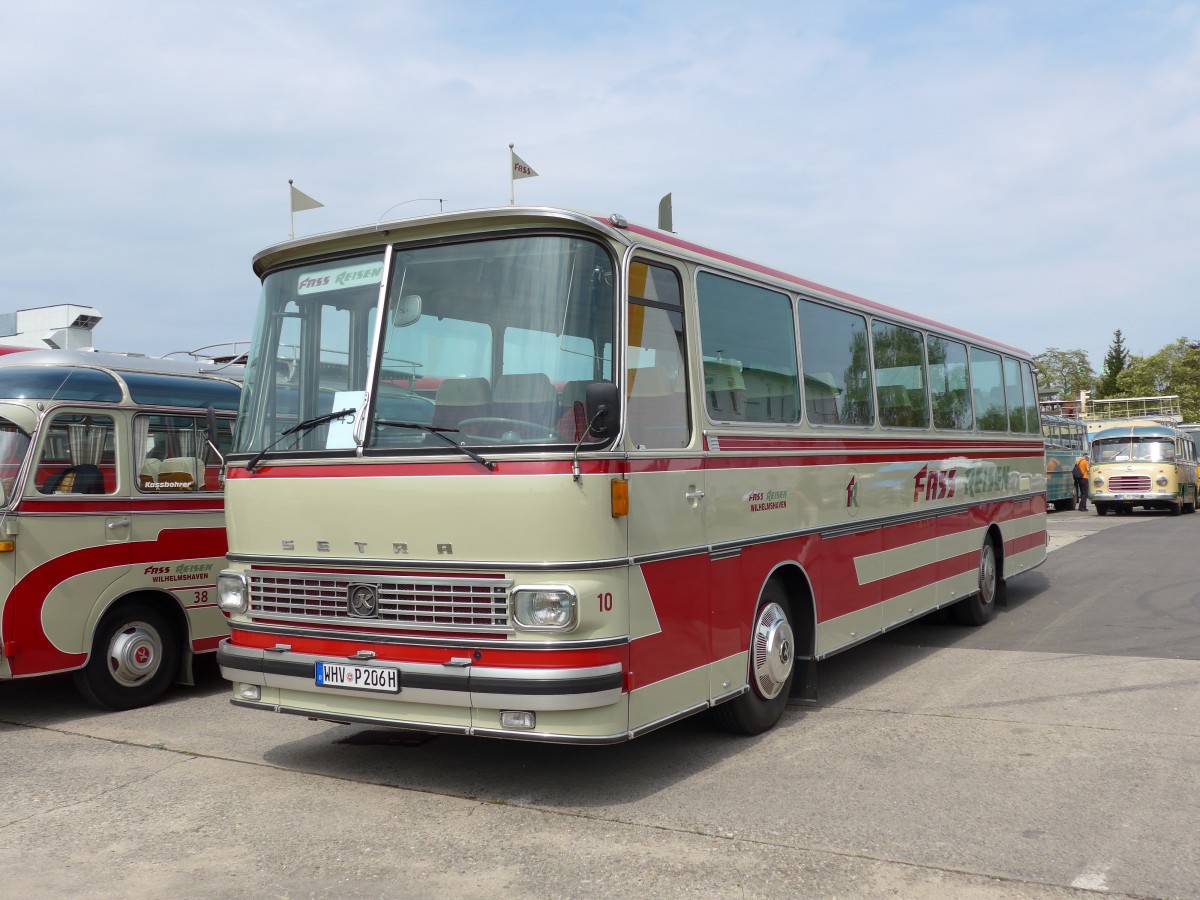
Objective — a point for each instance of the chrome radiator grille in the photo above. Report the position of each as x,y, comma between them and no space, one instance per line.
1119,483
428,604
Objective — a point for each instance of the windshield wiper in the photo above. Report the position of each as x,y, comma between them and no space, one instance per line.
298,427
438,432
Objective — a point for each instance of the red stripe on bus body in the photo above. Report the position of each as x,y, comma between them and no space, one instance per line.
615,467
833,459
1025,542
22,619
841,442
488,655
118,506
416,468
365,569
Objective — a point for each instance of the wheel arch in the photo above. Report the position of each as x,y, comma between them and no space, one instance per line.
798,587
168,604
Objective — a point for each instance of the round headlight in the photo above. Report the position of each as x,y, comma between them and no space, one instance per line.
1098,482
550,608
233,592
1161,481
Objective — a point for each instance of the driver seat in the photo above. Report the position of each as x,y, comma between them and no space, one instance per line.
529,397
458,399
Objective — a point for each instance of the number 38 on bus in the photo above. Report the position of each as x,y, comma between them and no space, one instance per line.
528,473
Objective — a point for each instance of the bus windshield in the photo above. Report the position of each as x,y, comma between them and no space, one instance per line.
1136,449
491,342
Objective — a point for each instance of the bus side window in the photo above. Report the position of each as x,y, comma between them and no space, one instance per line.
748,342
656,381
172,453
78,456
837,367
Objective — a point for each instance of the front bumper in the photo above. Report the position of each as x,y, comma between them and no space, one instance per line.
582,704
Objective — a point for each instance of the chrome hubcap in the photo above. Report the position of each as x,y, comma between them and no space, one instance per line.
134,654
772,651
987,574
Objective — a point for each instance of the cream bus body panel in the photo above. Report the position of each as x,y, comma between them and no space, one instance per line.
520,518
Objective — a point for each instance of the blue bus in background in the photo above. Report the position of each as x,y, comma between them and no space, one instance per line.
1066,440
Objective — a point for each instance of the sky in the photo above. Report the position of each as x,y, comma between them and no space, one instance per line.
1028,171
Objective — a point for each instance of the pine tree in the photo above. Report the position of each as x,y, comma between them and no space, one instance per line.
1115,361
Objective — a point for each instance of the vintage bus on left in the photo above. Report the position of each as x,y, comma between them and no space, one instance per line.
111,519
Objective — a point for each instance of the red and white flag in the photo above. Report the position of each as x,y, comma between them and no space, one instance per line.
520,168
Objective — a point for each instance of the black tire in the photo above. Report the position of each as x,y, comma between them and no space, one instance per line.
772,668
1101,509
979,608
135,655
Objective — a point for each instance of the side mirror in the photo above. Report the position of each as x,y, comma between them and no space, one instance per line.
601,401
407,311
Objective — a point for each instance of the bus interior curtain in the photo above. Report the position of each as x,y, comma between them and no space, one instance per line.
87,442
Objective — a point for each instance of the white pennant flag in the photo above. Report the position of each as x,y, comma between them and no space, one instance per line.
301,201
520,168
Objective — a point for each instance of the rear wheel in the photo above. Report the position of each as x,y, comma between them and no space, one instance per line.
135,653
772,668
980,606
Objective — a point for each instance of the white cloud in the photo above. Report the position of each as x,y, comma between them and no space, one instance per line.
1018,170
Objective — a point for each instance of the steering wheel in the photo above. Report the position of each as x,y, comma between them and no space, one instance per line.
507,431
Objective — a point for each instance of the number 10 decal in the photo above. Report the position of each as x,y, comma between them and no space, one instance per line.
605,602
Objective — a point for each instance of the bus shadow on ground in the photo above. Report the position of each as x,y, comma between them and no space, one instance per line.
550,775
53,701
842,676
554,776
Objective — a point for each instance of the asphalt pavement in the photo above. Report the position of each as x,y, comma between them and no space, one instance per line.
1051,753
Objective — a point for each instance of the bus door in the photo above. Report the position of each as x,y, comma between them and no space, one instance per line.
178,512
669,593
73,542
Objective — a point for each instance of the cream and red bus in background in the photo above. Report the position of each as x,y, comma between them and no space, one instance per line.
1143,463
111,519
535,474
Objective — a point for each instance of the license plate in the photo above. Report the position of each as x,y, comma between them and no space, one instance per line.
383,679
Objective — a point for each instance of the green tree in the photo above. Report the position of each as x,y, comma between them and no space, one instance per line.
1115,361
1175,369
1065,372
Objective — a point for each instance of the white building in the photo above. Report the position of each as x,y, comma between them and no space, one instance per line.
64,327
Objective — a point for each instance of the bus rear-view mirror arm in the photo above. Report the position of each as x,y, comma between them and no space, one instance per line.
600,404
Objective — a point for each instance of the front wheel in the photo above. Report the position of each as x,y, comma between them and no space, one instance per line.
135,653
772,668
980,606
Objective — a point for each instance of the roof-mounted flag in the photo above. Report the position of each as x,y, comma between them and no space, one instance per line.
518,169
300,202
